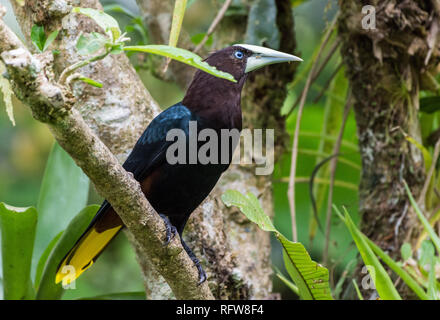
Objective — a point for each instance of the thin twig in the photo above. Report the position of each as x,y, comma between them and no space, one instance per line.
291,188
327,58
214,24
333,165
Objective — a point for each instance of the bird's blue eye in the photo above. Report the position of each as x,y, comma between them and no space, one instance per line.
239,54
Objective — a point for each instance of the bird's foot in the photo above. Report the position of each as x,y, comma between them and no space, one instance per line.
171,230
202,273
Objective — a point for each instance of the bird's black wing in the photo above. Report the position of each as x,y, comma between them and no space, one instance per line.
150,149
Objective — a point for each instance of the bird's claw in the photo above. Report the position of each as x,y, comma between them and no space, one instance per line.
202,274
171,230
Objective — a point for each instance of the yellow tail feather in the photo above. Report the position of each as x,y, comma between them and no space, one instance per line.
81,256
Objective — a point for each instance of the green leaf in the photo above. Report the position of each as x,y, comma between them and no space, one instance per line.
358,292
119,296
43,258
426,252
17,226
197,38
176,25
250,206
432,234
91,43
104,20
182,55
91,82
48,289
50,39
119,9
38,37
63,193
310,278
288,283
382,281
406,251
405,276
6,89
430,104
432,286
261,25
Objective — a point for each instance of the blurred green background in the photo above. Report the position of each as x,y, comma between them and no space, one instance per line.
24,150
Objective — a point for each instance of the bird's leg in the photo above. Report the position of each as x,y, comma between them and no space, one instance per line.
170,229
202,274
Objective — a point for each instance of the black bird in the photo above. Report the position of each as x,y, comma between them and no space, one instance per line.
176,190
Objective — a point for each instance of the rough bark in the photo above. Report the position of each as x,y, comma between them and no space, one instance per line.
236,252
386,67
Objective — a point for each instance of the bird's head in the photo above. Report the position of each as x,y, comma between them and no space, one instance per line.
241,59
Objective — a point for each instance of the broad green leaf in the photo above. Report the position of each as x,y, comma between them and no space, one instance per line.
17,226
197,38
358,292
119,9
90,43
250,206
119,296
406,251
310,277
176,25
432,234
288,283
91,82
50,39
182,55
104,20
382,281
5,88
38,37
405,276
261,26
430,104
63,193
43,258
47,288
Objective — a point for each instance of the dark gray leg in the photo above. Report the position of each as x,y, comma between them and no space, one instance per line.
202,274
171,230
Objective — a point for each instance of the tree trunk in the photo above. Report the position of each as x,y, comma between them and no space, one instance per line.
385,67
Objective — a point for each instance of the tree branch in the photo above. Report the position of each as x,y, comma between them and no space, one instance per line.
30,76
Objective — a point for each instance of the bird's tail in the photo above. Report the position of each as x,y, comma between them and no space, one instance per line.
89,246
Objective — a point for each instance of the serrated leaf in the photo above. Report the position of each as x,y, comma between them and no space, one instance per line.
104,20
91,43
310,277
17,226
6,89
38,37
184,56
50,39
